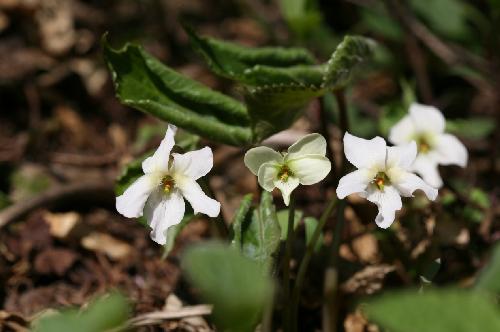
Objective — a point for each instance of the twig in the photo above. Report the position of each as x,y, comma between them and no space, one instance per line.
449,53
86,191
158,316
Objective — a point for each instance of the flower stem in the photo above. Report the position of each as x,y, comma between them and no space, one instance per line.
330,286
307,258
286,265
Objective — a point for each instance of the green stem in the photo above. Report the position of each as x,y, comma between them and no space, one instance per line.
286,266
307,258
330,311
330,286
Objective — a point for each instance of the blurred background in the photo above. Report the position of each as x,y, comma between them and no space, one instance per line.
64,138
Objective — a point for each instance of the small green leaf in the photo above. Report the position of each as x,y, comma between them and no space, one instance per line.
489,277
435,311
106,313
131,172
174,231
234,284
143,82
283,221
474,128
260,234
310,224
239,218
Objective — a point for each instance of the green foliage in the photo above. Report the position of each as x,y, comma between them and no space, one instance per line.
489,277
310,224
174,231
234,284
104,314
282,216
143,82
234,61
474,128
302,16
260,233
239,219
435,311
277,84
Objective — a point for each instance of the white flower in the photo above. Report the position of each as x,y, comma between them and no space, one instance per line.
425,125
382,176
304,163
160,191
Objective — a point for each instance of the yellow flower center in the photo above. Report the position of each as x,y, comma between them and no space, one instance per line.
167,183
381,180
423,145
284,173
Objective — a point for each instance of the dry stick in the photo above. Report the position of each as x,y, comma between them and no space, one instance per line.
331,274
450,54
95,191
286,266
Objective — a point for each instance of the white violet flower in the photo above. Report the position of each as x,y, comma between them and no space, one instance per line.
304,163
425,125
167,179
383,175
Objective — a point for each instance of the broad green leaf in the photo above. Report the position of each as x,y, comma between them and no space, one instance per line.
232,60
234,284
260,234
377,20
474,128
239,218
310,224
275,105
143,82
435,311
302,16
106,313
489,277
174,231
282,216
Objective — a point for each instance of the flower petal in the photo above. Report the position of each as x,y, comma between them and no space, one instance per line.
364,153
310,169
401,156
254,158
158,162
287,187
131,202
162,211
388,202
403,131
354,182
193,164
200,202
427,118
427,167
410,182
309,144
451,151
268,172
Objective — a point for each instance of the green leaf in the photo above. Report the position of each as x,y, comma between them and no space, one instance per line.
278,95
310,224
174,231
143,82
106,313
239,218
474,128
489,277
435,311
260,234
233,61
282,216
234,284
302,16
